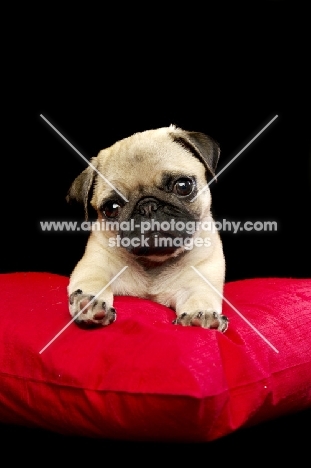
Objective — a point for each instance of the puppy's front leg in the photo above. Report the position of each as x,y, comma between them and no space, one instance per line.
201,305
90,300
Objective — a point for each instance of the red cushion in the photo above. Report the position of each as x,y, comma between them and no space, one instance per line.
143,378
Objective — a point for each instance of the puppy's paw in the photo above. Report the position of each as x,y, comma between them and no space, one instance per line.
89,312
204,319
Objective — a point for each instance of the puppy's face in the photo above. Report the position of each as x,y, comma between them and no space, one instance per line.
148,186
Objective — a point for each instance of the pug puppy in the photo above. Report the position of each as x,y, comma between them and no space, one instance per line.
153,223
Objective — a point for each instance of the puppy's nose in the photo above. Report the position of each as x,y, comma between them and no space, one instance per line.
147,207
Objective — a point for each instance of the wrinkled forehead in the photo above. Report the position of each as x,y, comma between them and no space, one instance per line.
146,155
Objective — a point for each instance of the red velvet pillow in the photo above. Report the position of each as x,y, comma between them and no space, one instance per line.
143,378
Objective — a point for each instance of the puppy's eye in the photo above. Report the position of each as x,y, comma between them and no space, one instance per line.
183,186
111,209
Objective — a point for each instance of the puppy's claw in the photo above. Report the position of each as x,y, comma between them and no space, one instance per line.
73,295
225,323
178,320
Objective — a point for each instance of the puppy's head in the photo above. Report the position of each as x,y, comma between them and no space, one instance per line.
146,185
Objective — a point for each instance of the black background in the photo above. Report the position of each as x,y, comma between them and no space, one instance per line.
224,79
225,70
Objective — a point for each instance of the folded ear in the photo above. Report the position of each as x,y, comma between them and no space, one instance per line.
80,189
200,145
